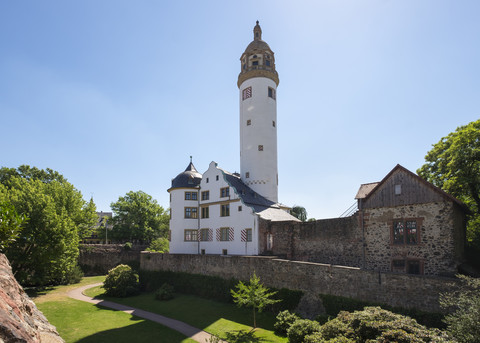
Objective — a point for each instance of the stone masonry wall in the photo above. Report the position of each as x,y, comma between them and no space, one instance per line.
402,290
436,248
20,319
96,259
332,241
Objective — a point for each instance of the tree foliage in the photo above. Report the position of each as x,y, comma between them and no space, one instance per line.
10,224
254,295
159,245
463,322
137,217
299,212
46,251
453,164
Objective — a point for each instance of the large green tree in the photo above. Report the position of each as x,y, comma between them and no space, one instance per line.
137,217
299,212
453,164
46,251
10,224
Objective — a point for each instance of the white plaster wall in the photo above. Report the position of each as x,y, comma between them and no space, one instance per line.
262,111
178,222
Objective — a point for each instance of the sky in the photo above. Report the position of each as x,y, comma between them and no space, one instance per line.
117,95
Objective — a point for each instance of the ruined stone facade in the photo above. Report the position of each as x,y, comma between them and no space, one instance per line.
404,225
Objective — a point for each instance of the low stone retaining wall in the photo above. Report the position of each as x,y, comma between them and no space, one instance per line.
402,290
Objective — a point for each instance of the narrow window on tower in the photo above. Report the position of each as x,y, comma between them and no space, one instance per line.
271,93
249,122
247,175
247,93
273,123
260,148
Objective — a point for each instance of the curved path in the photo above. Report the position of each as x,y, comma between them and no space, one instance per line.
189,331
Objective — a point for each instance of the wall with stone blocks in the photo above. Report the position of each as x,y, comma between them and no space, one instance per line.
408,291
98,259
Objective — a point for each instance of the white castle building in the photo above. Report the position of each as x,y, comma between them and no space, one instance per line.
218,212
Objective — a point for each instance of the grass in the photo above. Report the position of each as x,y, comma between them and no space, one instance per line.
77,321
214,317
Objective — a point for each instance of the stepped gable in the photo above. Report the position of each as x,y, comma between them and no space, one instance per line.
20,320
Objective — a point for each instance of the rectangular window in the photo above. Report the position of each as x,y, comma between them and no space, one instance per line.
247,93
249,122
271,93
225,210
205,212
405,232
239,208
249,235
224,192
216,177
191,195
190,235
260,148
204,235
407,266
191,212
273,123
205,195
225,234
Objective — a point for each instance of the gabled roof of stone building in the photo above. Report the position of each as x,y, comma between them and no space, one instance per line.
367,190
265,208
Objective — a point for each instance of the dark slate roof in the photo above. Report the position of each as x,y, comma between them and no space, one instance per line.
190,178
267,209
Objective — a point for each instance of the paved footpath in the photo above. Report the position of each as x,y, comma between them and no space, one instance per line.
189,331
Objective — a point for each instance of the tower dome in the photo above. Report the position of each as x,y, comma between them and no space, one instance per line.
258,60
190,178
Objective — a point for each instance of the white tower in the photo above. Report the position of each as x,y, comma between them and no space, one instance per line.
258,81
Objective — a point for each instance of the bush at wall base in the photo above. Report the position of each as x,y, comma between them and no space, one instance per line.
121,281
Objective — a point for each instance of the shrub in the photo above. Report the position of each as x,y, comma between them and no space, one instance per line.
165,292
379,325
301,328
317,337
75,275
128,246
121,281
284,320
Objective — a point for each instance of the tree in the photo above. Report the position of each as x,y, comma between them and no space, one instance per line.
253,294
10,224
463,303
138,217
46,252
159,245
299,212
453,164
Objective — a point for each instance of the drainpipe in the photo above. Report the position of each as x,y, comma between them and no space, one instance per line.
198,221
362,214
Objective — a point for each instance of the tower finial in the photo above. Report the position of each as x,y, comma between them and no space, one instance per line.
190,159
257,32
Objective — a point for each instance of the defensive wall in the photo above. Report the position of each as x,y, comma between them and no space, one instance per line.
394,289
95,259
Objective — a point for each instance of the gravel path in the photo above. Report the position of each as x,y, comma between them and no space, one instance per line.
189,331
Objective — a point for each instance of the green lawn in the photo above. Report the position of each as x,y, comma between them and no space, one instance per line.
77,321
214,317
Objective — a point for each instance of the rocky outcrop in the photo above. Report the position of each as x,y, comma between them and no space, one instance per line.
20,320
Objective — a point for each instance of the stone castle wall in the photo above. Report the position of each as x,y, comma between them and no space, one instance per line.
97,259
408,291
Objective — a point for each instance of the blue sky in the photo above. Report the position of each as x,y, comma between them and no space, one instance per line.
116,95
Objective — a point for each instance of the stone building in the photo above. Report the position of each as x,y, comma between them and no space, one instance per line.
403,224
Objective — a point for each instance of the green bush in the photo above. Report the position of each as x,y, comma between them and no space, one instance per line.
334,304
128,246
75,275
317,337
160,245
284,320
301,328
165,292
379,325
121,281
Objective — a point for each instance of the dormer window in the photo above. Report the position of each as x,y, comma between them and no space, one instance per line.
267,63
255,63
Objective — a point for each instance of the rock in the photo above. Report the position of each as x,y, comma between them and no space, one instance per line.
20,320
